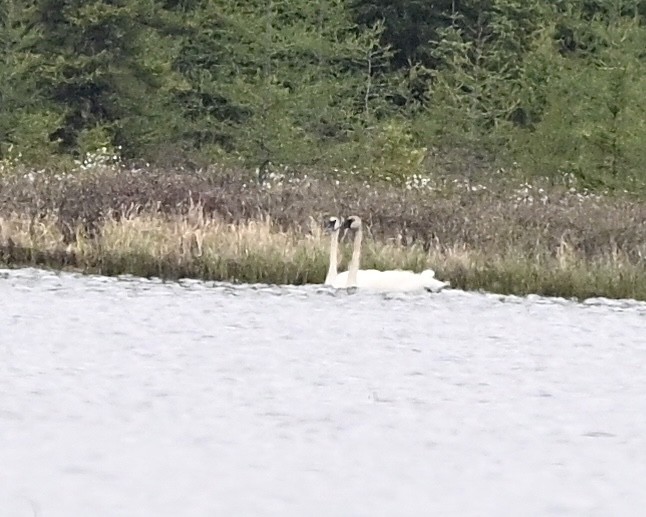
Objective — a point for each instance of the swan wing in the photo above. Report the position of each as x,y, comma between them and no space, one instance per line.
365,278
431,283
392,280
399,280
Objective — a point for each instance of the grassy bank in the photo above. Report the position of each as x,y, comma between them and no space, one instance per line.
512,239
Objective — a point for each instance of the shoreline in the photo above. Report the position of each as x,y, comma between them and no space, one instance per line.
256,252
15,271
217,225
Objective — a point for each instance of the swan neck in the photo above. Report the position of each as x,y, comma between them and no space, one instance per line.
334,257
356,256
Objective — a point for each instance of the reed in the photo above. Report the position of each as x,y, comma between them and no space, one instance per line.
198,245
490,233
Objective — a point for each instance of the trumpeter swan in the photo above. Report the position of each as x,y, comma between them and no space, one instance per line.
332,226
393,280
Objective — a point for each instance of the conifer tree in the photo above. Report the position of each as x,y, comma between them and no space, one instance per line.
109,68
277,79
27,120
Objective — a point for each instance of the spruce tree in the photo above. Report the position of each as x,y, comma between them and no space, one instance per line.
279,80
108,66
27,118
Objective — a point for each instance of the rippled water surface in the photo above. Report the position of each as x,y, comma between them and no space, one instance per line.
130,397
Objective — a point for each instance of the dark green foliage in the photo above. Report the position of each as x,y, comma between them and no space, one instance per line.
279,81
103,69
26,119
366,84
593,122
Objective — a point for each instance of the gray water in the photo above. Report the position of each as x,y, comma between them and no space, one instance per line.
131,397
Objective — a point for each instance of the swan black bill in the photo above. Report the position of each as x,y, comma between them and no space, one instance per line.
331,224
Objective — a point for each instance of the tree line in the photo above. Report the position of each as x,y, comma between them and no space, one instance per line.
554,87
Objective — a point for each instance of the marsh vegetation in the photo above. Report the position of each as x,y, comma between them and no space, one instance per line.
220,225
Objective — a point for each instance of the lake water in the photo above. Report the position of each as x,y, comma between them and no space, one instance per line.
131,397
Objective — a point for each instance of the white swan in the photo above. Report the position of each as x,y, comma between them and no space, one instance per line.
333,225
393,280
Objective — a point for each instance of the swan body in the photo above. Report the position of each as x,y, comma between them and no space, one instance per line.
392,280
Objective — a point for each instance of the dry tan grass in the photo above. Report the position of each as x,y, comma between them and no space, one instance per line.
220,224
193,244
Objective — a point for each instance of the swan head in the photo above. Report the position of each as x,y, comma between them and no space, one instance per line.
352,223
332,224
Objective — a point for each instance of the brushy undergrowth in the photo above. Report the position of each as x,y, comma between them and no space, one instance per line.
226,225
